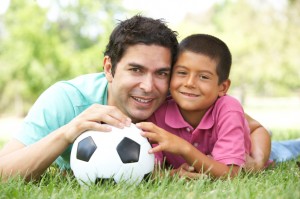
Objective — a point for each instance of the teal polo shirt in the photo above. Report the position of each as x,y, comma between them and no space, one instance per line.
58,105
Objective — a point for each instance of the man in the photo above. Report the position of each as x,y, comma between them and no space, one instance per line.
137,66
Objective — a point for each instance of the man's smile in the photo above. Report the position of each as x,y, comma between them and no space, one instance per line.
142,100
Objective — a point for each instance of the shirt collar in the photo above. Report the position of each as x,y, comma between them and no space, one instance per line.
175,120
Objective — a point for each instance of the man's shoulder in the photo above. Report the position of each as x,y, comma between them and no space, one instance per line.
81,91
90,86
85,80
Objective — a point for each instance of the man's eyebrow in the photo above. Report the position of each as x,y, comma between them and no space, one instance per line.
167,68
135,65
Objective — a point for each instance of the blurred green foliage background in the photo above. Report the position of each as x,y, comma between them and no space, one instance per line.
44,43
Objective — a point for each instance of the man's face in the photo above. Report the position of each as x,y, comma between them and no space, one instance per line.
141,80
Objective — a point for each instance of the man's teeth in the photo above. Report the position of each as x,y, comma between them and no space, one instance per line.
142,100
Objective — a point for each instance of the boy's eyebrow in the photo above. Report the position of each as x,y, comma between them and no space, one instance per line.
206,71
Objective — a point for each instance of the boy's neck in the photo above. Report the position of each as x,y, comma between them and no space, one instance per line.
193,118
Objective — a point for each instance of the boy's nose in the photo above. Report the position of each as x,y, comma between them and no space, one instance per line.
190,82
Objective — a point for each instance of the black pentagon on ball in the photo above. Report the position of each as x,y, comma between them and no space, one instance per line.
85,149
147,176
128,150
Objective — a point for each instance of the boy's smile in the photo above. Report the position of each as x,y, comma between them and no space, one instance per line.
194,84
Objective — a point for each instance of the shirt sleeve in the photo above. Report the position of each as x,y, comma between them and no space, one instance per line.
232,131
52,110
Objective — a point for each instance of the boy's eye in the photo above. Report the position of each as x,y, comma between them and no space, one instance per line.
181,72
203,77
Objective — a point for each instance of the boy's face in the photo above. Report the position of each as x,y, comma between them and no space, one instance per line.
194,83
140,83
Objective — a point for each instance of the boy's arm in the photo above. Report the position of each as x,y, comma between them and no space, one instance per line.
205,164
171,143
260,146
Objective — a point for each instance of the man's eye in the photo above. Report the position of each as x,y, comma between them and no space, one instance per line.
135,69
164,74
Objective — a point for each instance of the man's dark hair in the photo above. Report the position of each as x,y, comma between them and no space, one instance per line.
212,47
140,30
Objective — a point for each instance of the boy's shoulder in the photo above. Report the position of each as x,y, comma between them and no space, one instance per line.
228,102
228,98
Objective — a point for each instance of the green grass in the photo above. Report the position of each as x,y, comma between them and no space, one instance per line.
279,182
282,181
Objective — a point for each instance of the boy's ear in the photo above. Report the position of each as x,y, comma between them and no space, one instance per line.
107,68
223,87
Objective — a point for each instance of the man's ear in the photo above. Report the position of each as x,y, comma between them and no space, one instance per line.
223,87
107,67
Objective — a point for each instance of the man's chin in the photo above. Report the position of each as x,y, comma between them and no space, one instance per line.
140,117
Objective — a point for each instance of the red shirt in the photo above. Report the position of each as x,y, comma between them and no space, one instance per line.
222,133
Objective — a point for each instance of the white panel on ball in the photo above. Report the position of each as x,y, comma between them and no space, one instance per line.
99,159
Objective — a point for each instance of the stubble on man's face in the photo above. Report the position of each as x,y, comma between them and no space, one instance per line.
141,80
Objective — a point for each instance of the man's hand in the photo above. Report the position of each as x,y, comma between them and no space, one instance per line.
93,118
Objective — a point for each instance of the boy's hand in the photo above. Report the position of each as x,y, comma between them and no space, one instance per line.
166,141
188,172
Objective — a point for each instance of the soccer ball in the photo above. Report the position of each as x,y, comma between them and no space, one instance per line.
121,155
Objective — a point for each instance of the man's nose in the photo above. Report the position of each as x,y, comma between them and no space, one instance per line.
147,83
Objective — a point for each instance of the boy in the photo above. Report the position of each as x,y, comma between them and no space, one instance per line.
201,126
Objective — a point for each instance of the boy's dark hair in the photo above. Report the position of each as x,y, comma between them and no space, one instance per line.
212,47
140,30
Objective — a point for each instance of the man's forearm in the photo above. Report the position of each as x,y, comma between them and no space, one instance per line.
260,149
30,162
